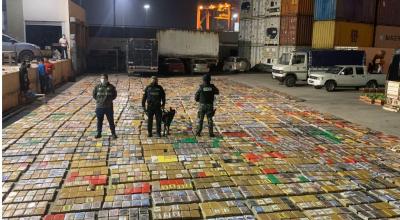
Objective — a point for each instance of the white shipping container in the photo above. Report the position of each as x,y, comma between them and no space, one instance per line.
258,32
272,26
245,30
289,49
273,7
179,43
246,8
254,54
270,54
259,8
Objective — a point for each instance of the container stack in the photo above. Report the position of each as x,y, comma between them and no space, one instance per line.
296,24
252,30
272,31
387,30
343,23
271,27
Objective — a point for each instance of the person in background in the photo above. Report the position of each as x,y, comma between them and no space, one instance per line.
42,76
23,77
49,67
155,96
104,94
64,47
205,95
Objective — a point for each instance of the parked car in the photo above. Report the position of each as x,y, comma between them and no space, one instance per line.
199,66
262,68
346,76
236,64
25,51
171,65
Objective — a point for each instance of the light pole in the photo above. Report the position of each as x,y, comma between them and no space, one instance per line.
235,17
146,9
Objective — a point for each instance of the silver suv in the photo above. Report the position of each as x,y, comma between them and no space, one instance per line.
25,51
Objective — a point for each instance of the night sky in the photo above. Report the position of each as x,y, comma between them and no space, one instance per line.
162,13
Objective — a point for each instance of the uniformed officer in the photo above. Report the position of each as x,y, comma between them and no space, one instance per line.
104,94
155,96
205,95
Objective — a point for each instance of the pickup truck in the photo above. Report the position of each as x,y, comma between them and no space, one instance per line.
346,76
298,65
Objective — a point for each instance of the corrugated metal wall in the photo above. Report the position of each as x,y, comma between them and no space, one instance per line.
328,34
388,12
296,30
272,28
345,10
387,37
297,7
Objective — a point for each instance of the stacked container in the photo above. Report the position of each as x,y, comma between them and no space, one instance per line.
252,30
272,31
387,31
347,23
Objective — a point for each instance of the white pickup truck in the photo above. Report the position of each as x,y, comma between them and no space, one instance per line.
346,76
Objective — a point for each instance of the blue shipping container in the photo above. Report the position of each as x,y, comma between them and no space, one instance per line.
362,11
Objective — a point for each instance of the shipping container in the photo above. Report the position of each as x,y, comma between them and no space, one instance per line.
296,30
387,37
328,34
258,31
297,7
245,30
273,7
272,29
259,8
270,54
388,12
142,55
345,10
246,9
289,49
253,53
179,43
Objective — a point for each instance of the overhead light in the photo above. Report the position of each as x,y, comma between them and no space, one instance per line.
235,15
146,6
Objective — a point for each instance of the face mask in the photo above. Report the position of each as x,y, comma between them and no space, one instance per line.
103,81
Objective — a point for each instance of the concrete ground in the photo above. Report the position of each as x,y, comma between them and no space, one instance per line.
267,146
343,103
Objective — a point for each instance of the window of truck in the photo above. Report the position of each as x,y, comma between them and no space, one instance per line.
298,59
360,70
348,71
334,70
284,59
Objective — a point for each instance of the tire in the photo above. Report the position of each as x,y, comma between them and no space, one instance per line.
290,81
318,87
26,55
330,86
372,84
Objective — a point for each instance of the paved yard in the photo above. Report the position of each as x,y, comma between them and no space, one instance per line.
274,157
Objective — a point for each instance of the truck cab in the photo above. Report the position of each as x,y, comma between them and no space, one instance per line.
291,67
346,76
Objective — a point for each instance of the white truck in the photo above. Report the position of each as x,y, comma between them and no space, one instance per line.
298,65
346,76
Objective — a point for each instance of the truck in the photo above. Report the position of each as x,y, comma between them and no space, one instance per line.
142,56
298,65
189,45
346,76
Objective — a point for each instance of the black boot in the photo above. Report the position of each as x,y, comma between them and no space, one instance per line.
98,136
114,136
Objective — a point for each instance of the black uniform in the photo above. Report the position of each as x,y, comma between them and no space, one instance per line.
23,77
104,94
205,96
155,96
